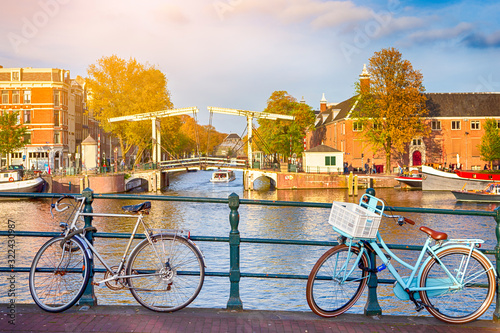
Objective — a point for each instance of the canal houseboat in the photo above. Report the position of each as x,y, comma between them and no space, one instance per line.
12,181
437,180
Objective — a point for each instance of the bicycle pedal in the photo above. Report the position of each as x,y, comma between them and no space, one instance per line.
95,283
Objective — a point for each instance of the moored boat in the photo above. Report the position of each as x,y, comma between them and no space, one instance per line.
413,181
491,193
222,176
437,180
12,181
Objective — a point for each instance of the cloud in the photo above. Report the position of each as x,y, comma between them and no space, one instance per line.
438,35
482,41
318,14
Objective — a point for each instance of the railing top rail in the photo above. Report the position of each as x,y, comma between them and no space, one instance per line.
246,202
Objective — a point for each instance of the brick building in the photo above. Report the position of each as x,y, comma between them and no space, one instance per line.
456,121
52,108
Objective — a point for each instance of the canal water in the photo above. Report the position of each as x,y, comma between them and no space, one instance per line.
255,222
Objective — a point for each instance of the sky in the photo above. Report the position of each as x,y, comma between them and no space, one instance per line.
236,53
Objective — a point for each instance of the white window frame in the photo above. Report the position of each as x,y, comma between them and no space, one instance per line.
454,123
473,124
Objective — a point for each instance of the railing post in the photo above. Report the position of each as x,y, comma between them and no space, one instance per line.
372,308
234,302
496,313
88,297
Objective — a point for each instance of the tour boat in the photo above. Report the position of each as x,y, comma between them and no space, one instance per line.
222,176
12,181
437,180
490,193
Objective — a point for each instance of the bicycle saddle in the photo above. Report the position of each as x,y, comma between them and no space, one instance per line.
434,234
137,208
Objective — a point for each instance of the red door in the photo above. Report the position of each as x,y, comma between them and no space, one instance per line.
417,158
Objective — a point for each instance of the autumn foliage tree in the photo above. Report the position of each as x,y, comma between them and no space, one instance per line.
119,87
391,108
11,133
490,142
281,136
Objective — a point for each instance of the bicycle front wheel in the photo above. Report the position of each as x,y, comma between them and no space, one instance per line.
168,273
336,281
458,306
59,274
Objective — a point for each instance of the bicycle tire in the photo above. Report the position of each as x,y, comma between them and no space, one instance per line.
59,274
463,305
180,268
325,295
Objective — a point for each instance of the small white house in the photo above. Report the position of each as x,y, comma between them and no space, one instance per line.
323,159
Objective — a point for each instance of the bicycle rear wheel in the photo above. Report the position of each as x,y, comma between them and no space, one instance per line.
170,273
461,305
330,292
59,274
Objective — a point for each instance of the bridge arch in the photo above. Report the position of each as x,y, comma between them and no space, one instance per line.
250,176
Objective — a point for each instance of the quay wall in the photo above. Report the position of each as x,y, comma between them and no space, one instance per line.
289,181
107,183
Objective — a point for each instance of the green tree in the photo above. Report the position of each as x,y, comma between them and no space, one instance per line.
280,134
11,133
391,107
118,87
490,142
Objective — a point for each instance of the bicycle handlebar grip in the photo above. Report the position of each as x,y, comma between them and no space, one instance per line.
407,220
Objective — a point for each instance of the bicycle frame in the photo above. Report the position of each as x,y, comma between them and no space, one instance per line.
93,250
456,281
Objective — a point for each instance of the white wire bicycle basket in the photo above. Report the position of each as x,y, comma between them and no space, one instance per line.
357,221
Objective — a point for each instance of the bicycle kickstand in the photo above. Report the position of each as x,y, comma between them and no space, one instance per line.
419,305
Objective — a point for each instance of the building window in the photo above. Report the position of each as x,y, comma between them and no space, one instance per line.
15,76
56,98
16,155
330,160
343,128
57,137
475,125
455,125
342,146
27,117
436,125
56,117
5,97
417,142
357,126
27,96
15,97
27,138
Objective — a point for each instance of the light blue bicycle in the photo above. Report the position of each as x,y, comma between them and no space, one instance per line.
455,282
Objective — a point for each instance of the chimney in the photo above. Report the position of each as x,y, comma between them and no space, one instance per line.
364,80
322,104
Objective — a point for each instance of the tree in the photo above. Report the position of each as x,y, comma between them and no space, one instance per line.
118,87
391,107
280,134
11,133
490,142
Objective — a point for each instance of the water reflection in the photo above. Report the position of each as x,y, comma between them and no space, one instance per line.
255,221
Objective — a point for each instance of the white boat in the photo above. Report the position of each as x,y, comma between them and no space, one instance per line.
222,176
437,180
11,181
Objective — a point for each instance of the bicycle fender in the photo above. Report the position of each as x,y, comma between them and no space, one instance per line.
453,246
85,245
